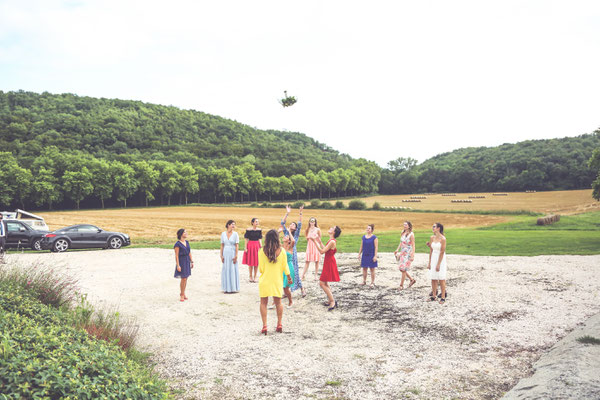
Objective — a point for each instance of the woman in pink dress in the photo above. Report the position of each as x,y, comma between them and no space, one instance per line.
312,253
253,239
330,271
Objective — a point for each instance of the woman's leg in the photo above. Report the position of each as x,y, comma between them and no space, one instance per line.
182,285
434,286
364,276
402,279
373,276
412,281
317,269
263,310
327,290
306,266
443,288
250,274
279,306
288,294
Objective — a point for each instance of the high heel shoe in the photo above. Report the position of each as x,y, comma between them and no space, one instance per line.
279,329
264,330
334,306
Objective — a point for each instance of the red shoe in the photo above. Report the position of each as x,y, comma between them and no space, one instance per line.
264,330
279,329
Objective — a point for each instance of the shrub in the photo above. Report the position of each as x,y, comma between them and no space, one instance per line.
265,204
357,205
278,205
297,204
254,204
339,204
315,203
326,205
376,206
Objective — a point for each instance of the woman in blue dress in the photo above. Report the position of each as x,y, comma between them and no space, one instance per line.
230,274
368,254
183,260
294,232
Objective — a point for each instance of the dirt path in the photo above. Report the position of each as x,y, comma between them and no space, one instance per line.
502,313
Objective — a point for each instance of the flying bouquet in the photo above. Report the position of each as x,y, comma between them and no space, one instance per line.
287,100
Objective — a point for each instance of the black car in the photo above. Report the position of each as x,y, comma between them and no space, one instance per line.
20,235
83,237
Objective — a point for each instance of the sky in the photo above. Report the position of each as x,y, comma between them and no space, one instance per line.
377,79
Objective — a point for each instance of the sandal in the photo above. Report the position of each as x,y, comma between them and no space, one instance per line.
431,298
442,300
412,282
264,330
401,287
334,306
279,329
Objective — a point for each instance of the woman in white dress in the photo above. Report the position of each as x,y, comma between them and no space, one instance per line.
437,262
230,273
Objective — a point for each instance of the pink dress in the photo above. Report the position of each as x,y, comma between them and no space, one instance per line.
312,253
405,252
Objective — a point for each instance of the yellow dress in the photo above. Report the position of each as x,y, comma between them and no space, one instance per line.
270,282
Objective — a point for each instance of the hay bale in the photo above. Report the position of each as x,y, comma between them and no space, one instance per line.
548,219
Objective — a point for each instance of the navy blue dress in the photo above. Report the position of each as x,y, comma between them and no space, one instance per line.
184,260
368,252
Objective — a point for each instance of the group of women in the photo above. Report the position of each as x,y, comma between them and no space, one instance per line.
277,261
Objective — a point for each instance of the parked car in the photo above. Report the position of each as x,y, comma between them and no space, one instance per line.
83,236
21,235
35,222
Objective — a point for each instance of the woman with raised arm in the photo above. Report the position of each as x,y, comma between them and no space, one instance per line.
230,274
288,246
183,261
253,242
272,263
407,253
312,254
330,271
367,254
294,231
437,262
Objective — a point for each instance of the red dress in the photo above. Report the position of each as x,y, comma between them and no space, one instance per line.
330,271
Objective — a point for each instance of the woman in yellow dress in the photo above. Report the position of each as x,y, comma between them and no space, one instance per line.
272,264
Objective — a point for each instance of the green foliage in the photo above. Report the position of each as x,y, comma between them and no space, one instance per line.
42,355
594,165
553,164
78,184
315,203
326,205
376,206
357,205
339,204
297,204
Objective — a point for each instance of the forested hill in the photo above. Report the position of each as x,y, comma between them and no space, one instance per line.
130,131
550,164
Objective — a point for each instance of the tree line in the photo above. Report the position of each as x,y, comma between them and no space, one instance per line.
55,178
552,164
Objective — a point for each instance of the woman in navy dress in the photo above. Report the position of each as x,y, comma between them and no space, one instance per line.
368,254
183,260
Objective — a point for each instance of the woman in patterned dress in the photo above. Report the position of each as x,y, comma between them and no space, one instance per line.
253,242
230,274
330,271
368,254
312,253
294,231
407,253
183,262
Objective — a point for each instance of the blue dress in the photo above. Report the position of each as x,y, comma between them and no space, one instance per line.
184,260
297,282
230,273
368,247
290,259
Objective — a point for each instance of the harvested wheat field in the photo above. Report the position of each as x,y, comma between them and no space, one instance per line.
502,314
561,202
206,223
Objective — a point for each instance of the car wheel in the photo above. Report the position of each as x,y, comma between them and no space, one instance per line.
61,245
115,242
37,244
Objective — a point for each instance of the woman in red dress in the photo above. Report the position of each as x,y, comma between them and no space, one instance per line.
330,271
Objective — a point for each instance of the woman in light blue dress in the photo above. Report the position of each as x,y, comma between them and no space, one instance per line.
294,231
230,273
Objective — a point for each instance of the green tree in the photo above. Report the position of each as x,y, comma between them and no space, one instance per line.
46,188
594,165
271,186
23,184
286,187
103,179
169,180
188,180
311,182
78,184
226,184
125,183
299,182
322,182
147,178
7,181
242,183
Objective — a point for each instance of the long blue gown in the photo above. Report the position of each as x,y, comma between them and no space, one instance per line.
230,273
297,282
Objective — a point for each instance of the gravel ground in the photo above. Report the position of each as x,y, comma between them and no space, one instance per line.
502,314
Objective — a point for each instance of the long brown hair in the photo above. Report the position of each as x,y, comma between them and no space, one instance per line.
409,228
308,227
271,245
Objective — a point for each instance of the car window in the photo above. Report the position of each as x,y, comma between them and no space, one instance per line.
87,228
13,226
70,230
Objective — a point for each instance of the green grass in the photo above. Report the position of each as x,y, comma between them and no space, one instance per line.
576,234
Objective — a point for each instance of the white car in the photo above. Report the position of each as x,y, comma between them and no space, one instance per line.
34,221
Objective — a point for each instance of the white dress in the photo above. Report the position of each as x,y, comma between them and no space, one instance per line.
435,255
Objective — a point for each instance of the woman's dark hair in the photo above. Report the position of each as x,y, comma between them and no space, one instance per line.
252,220
372,227
409,226
440,226
271,245
337,232
229,223
294,230
180,233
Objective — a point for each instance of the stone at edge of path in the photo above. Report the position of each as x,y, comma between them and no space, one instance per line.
570,370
